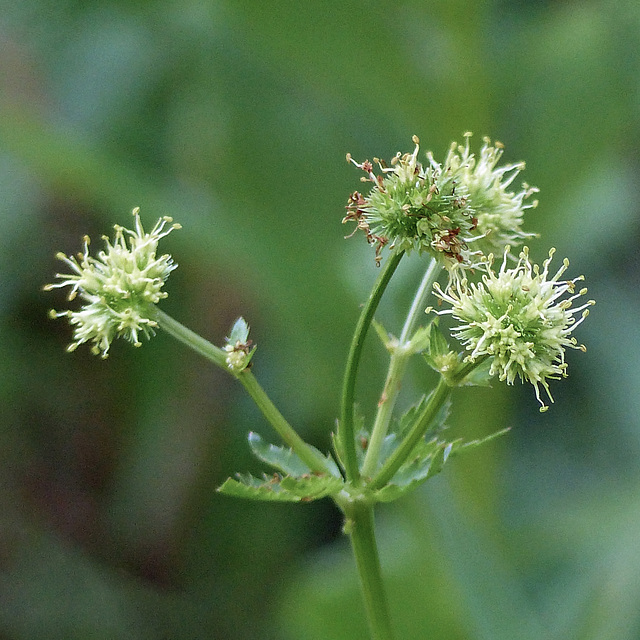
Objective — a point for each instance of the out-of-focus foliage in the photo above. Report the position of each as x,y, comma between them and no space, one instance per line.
234,118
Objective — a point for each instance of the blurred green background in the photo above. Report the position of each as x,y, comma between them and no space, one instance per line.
234,117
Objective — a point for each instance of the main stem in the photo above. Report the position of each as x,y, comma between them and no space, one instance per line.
312,458
353,360
360,525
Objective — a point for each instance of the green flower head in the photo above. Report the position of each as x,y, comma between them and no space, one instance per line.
518,319
119,287
458,211
498,211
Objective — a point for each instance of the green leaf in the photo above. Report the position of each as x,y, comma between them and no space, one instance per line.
312,487
403,425
280,458
285,460
282,489
249,487
428,460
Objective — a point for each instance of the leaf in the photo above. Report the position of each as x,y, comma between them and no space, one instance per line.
282,459
409,418
285,460
282,489
249,487
312,487
429,459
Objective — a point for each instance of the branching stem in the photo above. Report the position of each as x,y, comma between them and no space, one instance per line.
353,360
400,355
312,458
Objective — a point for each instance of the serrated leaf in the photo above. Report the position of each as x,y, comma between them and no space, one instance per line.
312,487
251,488
429,459
282,489
285,460
408,419
280,458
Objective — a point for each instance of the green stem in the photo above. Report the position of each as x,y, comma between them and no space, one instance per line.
192,340
397,366
419,303
353,360
360,525
312,458
402,453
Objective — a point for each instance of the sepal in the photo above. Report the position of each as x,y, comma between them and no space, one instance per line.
479,376
421,339
239,332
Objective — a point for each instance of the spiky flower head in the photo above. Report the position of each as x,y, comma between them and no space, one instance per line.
498,211
458,211
119,287
519,319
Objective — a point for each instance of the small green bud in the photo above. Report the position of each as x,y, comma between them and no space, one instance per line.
437,352
238,347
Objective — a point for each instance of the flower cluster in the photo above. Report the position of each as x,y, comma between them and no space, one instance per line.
517,318
119,288
459,211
